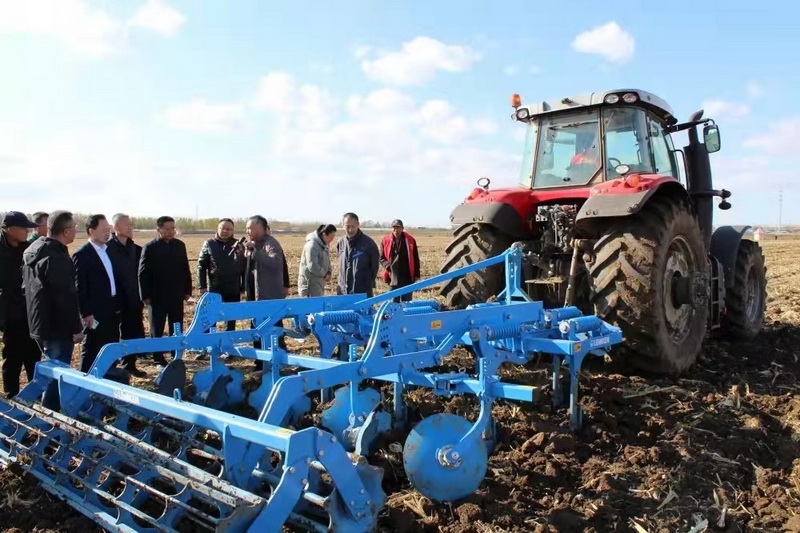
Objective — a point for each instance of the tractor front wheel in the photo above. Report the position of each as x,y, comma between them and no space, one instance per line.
646,271
472,243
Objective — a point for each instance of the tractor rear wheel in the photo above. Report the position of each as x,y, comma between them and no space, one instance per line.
472,243
638,273
746,301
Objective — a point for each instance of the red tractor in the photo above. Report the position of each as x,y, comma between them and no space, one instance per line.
609,224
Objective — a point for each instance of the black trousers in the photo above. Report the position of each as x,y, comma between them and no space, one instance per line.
106,332
403,298
159,314
131,327
19,351
228,298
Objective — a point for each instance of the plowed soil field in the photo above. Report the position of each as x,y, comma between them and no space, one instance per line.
714,449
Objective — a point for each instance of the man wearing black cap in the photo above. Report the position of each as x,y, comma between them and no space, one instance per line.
400,259
19,350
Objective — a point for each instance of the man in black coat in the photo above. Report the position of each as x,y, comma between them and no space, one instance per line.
19,350
97,291
125,255
165,280
220,265
51,296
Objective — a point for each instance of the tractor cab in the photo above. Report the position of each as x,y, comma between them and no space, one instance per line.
581,141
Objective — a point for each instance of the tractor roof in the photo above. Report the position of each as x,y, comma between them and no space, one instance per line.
644,99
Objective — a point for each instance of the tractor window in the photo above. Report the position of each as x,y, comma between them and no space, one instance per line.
569,150
661,152
527,157
626,140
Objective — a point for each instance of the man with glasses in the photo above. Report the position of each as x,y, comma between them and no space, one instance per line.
51,295
165,281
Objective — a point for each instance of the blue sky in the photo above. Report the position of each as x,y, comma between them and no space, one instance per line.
303,110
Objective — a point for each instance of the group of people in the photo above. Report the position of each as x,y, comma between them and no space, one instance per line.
49,300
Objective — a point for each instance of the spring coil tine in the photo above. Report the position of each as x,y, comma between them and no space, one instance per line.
422,303
420,310
503,332
333,318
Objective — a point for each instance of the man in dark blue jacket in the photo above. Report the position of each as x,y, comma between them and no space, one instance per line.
221,264
165,280
98,293
19,350
359,259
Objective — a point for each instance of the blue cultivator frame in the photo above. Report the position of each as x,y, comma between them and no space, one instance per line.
138,460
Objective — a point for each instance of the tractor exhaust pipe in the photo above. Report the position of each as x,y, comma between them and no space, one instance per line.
699,181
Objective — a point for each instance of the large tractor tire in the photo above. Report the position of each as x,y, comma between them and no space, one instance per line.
472,243
635,272
746,301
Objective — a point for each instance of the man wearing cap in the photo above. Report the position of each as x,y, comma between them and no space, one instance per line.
19,350
400,259
40,217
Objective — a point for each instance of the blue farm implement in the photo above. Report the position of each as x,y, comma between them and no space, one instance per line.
175,458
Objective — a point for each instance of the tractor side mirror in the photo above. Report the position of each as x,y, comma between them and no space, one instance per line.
711,138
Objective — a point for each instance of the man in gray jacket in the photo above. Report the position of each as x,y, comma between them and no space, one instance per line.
265,262
264,274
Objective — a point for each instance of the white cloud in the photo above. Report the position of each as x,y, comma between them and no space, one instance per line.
721,110
203,117
755,89
608,40
159,17
779,139
73,23
416,62
374,141
306,104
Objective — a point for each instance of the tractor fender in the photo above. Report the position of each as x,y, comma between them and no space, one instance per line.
500,215
615,199
725,247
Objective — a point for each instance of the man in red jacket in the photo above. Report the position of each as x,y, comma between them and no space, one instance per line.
400,259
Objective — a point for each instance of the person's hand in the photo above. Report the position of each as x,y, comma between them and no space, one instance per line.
87,321
202,291
146,301
328,278
285,292
77,337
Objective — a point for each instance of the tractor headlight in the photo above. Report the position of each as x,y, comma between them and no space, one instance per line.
630,98
523,114
611,98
